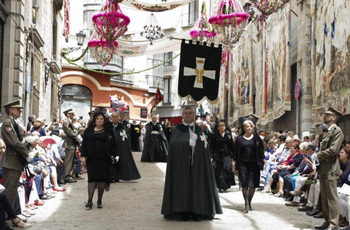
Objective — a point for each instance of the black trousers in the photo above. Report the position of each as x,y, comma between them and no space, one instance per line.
5,207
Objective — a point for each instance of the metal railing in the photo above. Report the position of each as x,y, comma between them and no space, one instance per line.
116,64
124,79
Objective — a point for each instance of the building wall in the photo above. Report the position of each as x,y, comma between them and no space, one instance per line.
25,63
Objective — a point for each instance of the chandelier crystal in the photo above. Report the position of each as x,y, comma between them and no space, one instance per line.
151,31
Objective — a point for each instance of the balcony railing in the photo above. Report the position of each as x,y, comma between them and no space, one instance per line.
154,82
115,65
123,79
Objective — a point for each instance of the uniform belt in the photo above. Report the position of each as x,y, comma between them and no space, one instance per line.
155,132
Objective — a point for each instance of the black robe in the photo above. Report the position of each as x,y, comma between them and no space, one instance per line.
155,145
189,188
135,135
222,149
127,169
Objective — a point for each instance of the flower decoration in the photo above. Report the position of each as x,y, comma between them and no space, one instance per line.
204,33
102,50
111,23
118,103
229,21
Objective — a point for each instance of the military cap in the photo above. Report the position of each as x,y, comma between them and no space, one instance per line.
333,111
68,111
14,104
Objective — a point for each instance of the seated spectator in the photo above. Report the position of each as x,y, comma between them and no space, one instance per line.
38,127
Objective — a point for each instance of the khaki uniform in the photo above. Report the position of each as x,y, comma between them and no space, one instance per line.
328,170
12,168
69,144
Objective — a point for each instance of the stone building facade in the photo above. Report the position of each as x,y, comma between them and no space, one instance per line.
306,41
31,56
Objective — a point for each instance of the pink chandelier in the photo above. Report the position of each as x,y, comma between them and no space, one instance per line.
229,21
110,24
268,7
103,51
205,32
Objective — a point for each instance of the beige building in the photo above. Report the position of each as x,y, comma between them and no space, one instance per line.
31,62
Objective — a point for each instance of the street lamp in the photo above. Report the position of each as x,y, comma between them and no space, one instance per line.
80,38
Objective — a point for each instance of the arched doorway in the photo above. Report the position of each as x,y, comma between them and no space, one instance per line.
78,98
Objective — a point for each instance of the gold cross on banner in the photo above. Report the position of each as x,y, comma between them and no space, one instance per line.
199,72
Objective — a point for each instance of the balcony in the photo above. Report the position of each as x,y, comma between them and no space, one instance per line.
168,99
115,65
154,82
123,79
55,64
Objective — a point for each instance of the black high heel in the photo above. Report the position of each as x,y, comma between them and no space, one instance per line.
99,204
15,224
88,205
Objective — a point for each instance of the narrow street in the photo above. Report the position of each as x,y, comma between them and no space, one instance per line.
137,205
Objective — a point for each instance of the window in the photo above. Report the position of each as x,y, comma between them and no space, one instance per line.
168,56
192,12
167,91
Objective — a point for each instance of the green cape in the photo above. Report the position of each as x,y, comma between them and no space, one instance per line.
189,189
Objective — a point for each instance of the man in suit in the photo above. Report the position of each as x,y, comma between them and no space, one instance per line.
70,143
329,168
14,158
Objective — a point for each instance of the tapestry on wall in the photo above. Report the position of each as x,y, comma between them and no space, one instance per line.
242,76
330,57
276,66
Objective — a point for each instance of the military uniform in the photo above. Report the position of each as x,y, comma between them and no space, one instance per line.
328,170
13,159
70,143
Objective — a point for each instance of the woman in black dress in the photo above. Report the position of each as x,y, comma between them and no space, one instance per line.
97,148
249,160
221,149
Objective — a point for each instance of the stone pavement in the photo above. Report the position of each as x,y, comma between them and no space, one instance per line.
137,205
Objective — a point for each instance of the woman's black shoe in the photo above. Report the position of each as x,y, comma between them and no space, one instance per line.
88,205
99,204
185,217
195,217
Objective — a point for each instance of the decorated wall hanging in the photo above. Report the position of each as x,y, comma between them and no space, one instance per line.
203,31
267,7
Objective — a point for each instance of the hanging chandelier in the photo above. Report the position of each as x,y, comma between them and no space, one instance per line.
204,31
111,23
229,21
102,50
151,31
268,7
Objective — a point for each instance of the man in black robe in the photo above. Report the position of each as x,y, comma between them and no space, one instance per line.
190,188
135,135
155,144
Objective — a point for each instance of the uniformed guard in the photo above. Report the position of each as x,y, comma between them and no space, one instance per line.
14,158
70,143
329,169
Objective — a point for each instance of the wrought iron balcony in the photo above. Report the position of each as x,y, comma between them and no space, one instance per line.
124,79
115,65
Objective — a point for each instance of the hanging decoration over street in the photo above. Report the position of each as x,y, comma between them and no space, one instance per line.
66,29
151,30
118,103
110,24
199,71
267,7
203,31
158,7
229,21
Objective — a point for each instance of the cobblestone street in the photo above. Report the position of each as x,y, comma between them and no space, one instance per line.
136,205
